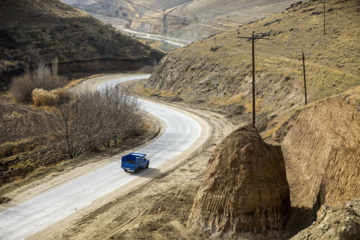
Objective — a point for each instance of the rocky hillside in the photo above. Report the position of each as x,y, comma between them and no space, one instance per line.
33,30
216,72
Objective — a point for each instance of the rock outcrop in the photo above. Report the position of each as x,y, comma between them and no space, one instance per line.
340,222
245,188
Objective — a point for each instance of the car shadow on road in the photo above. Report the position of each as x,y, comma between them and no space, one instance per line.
153,173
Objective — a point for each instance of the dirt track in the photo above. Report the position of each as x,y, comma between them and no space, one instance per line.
122,209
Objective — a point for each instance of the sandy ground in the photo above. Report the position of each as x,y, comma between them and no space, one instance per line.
100,220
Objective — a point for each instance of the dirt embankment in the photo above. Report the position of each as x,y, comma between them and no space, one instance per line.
321,146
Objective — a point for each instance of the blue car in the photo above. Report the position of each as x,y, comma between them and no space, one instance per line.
133,162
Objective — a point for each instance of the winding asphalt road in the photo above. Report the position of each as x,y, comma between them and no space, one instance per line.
42,211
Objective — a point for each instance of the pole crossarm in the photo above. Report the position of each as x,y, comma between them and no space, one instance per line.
254,38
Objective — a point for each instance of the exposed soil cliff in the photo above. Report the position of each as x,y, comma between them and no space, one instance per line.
245,187
321,146
33,30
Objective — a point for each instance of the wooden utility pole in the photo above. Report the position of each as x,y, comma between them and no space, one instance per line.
253,70
303,58
324,17
164,23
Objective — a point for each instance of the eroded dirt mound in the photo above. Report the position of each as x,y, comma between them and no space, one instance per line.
321,146
245,188
341,222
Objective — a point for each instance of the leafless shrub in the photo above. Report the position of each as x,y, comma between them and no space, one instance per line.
93,119
23,86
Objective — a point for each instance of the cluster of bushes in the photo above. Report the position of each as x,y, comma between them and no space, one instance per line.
43,77
93,119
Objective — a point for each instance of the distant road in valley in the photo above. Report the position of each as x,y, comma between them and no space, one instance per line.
157,37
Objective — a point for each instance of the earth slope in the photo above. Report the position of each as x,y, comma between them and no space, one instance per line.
33,30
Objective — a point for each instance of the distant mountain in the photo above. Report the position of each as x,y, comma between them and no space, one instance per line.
185,19
33,31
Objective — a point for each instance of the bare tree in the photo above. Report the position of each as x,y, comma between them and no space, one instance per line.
66,134
92,119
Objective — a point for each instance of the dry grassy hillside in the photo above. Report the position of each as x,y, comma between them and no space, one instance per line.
216,72
185,19
33,30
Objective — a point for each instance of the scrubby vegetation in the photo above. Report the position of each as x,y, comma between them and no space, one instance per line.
41,97
22,87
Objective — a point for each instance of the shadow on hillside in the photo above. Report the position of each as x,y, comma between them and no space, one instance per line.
300,219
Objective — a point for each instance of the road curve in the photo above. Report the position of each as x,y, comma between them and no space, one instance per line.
42,211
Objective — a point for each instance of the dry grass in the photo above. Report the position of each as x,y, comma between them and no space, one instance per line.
332,61
42,97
